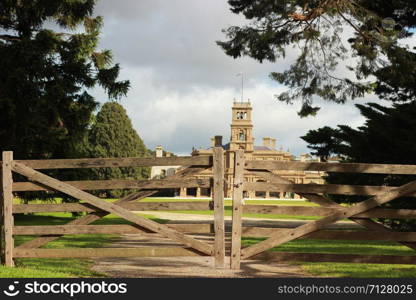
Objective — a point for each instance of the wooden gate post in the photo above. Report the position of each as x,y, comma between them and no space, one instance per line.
7,204
237,209
218,197
1,218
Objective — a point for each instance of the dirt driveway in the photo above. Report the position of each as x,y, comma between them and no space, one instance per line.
165,267
157,267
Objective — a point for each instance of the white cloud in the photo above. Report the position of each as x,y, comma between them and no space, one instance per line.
177,40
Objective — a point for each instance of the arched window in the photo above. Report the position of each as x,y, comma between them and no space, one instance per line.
244,115
241,136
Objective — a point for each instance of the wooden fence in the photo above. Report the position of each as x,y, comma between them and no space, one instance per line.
362,213
96,208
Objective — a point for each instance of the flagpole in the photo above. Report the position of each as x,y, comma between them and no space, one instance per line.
242,87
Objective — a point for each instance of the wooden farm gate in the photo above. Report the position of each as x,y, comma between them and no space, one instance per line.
362,213
97,208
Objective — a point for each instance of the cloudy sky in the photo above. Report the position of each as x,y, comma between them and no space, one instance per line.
183,85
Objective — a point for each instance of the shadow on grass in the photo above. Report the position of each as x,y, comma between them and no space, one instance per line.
346,247
61,267
337,247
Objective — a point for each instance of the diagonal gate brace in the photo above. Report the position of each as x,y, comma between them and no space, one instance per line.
92,217
278,239
84,220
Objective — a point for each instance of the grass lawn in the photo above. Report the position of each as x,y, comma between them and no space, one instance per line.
347,247
54,267
360,270
59,267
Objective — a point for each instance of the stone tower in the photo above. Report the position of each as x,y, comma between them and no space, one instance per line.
241,127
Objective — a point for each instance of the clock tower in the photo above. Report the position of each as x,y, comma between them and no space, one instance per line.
241,127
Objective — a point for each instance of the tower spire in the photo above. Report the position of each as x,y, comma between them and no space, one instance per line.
242,127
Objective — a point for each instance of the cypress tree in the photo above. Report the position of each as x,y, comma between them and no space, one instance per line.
364,35
112,135
50,59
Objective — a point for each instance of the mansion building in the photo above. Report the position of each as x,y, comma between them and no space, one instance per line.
242,138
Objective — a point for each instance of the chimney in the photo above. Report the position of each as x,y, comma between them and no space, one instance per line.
266,142
273,143
212,142
218,141
159,151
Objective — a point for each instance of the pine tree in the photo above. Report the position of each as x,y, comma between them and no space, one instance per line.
112,135
387,136
323,142
45,107
326,34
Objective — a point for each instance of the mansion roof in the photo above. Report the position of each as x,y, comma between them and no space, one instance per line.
256,148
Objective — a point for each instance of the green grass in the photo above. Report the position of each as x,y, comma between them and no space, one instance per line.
337,246
360,270
347,247
48,267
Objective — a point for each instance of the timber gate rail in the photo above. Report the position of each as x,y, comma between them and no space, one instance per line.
364,213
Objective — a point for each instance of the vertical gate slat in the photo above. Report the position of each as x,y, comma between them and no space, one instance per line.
7,220
237,209
218,198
